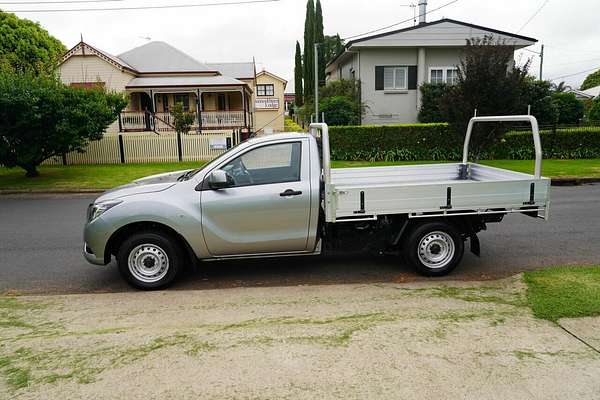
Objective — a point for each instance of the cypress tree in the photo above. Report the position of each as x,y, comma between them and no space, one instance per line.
309,45
320,38
298,76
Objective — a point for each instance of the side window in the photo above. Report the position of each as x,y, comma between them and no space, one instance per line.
277,163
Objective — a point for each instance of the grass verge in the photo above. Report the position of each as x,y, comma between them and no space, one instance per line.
550,168
74,177
564,292
100,177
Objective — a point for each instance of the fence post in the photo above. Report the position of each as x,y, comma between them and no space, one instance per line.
179,147
121,149
64,158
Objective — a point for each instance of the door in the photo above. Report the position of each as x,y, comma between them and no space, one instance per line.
268,208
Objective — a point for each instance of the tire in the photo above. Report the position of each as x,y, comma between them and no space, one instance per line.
150,260
434,248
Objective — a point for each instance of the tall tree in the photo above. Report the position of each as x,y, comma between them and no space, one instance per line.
27,47
333,46
592,80
309,44
299,92
486,84
320,38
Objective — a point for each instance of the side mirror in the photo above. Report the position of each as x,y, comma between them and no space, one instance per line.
220,179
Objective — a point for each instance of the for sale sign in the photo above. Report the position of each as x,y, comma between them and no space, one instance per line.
267,104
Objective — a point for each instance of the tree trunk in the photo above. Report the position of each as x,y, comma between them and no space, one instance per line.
31,171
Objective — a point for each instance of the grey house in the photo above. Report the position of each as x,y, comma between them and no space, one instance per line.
392,66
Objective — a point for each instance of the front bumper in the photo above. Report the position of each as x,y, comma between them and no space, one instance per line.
95,236
91,257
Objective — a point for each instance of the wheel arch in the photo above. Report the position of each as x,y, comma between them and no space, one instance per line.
112,245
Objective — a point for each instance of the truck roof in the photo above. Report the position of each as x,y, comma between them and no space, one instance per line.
278,136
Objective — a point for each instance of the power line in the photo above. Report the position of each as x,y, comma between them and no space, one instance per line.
534,15
399,23
230,3
576,73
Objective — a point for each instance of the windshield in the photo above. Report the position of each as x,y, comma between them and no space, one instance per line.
192,173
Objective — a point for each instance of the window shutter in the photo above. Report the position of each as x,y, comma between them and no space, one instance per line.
379,71
412,77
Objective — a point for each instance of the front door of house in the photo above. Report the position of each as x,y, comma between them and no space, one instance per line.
221,102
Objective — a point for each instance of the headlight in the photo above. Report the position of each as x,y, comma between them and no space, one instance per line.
97,209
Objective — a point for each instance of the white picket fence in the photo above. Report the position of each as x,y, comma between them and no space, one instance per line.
147,148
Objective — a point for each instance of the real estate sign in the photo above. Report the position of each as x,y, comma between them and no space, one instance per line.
267,104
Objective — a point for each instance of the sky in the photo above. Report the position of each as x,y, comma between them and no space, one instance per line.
569,29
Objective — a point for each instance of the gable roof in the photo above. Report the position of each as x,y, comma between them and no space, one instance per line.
82,48
239,70
441,21
162,57
264,72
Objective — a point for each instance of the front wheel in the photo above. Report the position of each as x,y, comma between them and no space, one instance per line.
150,260
434,248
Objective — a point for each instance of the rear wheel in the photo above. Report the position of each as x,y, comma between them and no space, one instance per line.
434,248
150,260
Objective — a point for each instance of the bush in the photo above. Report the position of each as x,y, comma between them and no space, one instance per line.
291,126
570,110
436,142
340,110
42,118
430,106
394,143
594,113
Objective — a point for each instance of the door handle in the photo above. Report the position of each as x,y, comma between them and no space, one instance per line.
290,192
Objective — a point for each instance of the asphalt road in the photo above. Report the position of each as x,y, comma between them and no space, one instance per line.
41,240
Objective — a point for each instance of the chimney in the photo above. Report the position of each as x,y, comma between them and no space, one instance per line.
422,11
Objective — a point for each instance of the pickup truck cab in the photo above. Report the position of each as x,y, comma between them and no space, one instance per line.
276,195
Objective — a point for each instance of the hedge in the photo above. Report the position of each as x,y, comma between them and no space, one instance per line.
437,142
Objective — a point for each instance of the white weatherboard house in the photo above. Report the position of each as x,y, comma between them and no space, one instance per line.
156,76
393,65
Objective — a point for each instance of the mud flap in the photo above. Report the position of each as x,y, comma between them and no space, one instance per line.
475,249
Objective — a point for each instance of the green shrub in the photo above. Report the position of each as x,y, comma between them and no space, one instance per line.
594,112
570,110
340,110
292,126
436,142
430,102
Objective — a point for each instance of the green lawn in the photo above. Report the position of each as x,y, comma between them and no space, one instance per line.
550,168
564,292
75,177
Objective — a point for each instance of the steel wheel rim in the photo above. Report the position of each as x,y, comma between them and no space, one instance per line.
148,263
436,250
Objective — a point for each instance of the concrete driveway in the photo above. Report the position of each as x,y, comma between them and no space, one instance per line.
41,239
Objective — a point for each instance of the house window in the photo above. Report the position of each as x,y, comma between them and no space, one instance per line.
451,76
447,75
184,99
395,78
265,90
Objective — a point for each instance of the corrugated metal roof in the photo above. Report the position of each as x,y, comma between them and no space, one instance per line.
161,57
170,81
593,91
237,69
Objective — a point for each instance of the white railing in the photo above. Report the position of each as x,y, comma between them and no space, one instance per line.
164,121
134,121
217,119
